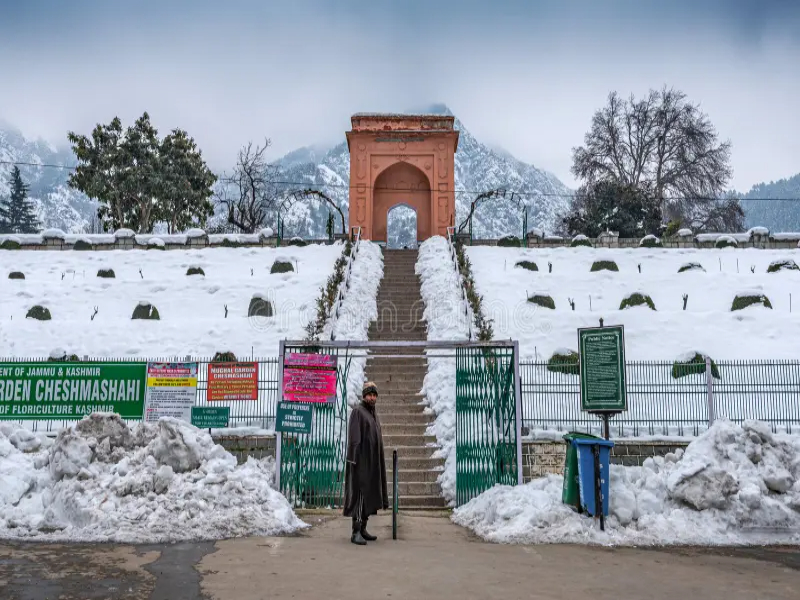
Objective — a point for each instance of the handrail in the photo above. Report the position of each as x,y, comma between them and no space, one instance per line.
355,232
395,494
454,257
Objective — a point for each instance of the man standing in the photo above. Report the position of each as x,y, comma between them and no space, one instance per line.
365,473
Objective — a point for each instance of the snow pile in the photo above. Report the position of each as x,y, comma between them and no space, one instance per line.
359,307
734,485
446,318
103,481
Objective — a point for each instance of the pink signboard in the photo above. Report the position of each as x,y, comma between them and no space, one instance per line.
309,378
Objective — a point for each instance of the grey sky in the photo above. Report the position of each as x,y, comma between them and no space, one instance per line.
525,75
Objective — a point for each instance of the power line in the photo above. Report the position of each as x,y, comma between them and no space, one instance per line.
310,185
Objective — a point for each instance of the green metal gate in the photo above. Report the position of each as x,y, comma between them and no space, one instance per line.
488,449
311,465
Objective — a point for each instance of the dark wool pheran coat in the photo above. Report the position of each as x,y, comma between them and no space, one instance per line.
365,471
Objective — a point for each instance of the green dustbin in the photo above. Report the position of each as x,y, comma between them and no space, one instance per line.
570,494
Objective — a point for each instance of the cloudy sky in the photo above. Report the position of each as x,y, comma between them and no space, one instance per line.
522,74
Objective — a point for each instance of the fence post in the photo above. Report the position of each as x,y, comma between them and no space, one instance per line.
278,437
710,392
518,412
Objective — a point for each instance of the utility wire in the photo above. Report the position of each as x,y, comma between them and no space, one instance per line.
310,185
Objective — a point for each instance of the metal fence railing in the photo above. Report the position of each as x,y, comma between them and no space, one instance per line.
258,413
661,404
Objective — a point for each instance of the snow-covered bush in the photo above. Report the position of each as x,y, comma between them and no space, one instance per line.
637,299
39,312
282,266
16,275
195,271
509,241
685,232
82,244
528,265
691,266
106,273
260,307
604,265
145,310
156,243
782,265
297,241
267,232
124,233
650,241
726,241
742,301
10,244
564,361
693,363
580,240
543,300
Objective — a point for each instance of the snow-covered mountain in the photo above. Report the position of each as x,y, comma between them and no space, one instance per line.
478,168
775,205
57,205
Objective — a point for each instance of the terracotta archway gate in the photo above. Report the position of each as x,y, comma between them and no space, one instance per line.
402,159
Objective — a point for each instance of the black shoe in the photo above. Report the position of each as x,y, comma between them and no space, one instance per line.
368,536
358,539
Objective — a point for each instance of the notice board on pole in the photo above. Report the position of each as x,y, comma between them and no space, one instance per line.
171,390
602,369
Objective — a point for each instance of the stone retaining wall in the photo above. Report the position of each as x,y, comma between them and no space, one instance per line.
540,458
244,447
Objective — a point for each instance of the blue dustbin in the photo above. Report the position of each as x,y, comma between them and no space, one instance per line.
586,474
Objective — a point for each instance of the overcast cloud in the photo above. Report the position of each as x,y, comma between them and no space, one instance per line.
522,74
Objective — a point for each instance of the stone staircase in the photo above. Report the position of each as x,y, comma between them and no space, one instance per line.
399,381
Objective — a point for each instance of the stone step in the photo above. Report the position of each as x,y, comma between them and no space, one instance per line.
390,411
389,403
407,454
416,463
392,418
405,439
392,429
418,488
396,372
413,475
419,502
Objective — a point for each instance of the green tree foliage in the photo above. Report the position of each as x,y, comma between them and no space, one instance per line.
17,214
140,179
612,206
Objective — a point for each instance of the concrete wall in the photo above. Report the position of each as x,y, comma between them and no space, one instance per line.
142,242
540,458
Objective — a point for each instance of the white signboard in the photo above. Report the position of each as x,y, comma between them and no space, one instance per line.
171,391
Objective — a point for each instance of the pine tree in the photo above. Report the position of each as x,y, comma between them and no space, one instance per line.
20,216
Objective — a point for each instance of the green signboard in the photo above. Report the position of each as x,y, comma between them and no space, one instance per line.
293,417
206,417
602,368
52,390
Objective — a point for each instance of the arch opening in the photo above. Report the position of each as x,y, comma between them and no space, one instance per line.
402,185
401,227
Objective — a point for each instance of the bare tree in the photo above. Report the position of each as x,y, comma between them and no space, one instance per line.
723,215
662,145
251,198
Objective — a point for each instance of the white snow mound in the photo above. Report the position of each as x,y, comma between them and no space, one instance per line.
102,480
734,485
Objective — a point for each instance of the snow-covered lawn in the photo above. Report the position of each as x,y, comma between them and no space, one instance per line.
707,324
733,485
192,308
101,480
